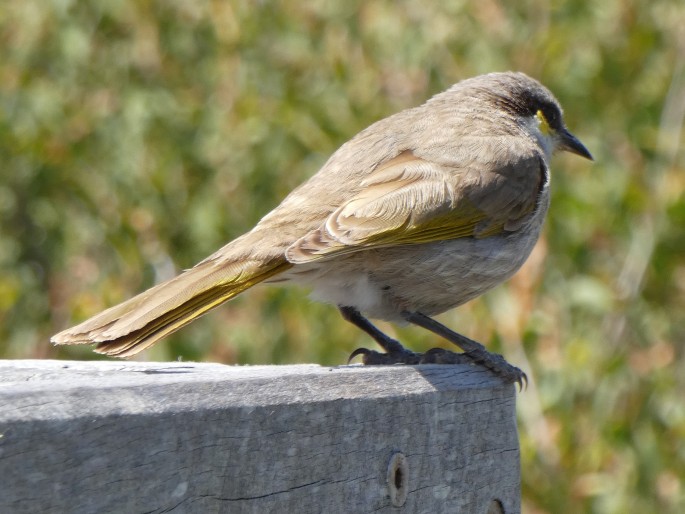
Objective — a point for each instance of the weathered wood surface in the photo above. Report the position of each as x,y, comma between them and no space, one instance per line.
95,437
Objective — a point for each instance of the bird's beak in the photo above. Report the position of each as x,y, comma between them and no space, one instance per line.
567,142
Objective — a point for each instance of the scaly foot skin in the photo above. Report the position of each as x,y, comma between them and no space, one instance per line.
442,356
373,358
499,366
493,361
404,356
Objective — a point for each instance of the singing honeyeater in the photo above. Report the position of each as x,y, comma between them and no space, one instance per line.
417,214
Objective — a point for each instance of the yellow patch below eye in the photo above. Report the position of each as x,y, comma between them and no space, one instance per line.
544,126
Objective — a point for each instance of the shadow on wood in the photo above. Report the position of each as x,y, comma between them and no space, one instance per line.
186,437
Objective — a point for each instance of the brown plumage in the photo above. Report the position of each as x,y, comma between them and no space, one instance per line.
419,213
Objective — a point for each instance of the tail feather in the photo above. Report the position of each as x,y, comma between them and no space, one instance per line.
140,322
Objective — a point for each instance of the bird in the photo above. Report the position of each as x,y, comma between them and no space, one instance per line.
417,214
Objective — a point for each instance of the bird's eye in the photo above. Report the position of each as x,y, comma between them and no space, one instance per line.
552,116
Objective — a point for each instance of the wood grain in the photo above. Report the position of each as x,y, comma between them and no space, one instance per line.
186,437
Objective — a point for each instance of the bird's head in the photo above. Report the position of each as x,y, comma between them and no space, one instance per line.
538,111
528,103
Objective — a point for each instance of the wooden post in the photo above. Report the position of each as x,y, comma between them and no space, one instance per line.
95,437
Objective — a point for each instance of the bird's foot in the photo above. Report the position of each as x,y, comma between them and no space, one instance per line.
400,355
396,356
473,350
499,366
395,353
442,356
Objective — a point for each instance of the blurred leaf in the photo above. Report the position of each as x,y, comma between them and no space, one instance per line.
137,137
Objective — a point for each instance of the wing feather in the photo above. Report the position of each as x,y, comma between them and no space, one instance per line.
410,200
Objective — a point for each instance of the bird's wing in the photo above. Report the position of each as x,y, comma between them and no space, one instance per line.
409,200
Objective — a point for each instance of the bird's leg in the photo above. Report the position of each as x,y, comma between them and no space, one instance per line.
475,351
395,353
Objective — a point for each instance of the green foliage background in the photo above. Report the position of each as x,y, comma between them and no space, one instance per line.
136,137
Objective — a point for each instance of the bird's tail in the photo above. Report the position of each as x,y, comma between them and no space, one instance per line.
140,322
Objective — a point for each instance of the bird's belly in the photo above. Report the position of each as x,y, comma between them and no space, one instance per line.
429,278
